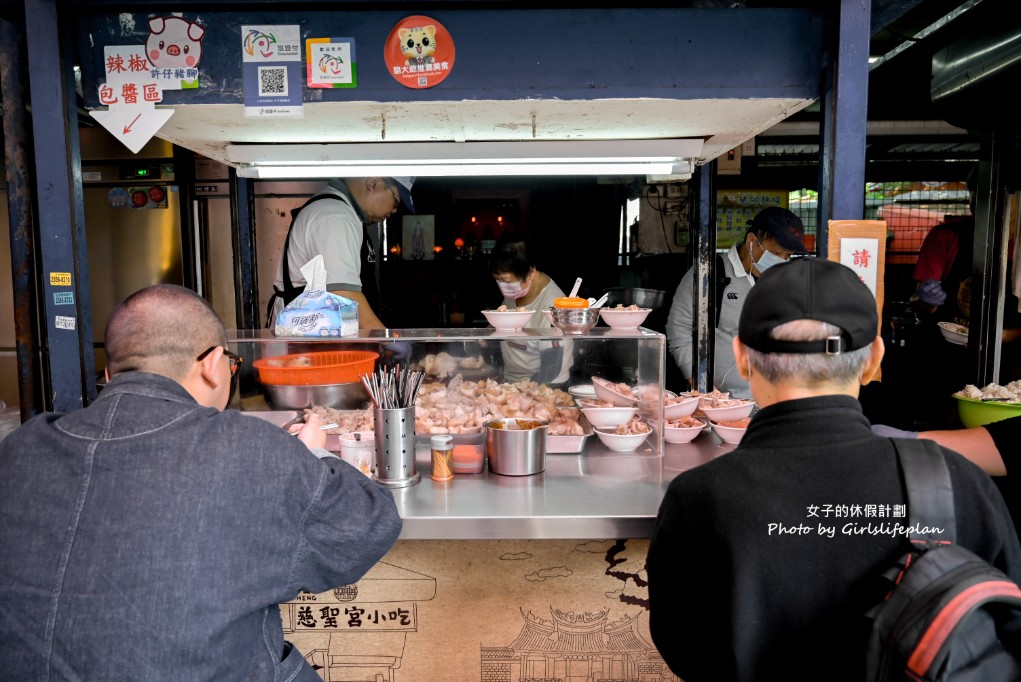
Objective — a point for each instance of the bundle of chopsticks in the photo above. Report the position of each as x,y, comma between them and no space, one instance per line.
393,388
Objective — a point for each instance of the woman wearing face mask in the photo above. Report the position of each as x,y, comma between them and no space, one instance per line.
772,237
524,287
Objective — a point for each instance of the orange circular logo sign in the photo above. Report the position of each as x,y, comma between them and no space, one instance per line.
419,52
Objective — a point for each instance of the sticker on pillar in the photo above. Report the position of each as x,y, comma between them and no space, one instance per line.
419,52
60,279
331,63
174,49
271,71
117,197
63,298
63,322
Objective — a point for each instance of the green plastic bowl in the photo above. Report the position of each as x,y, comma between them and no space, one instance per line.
978,412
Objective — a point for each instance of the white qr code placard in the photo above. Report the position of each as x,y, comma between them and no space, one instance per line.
63,322
272,71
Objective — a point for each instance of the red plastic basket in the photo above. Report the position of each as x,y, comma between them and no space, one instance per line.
327,367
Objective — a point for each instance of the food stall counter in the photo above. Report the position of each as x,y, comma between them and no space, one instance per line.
578,496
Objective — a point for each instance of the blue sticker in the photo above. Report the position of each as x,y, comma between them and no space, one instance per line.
63,298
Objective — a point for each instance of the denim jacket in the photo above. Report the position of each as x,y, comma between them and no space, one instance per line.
146,537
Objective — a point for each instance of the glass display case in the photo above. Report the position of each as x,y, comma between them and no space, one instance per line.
538,373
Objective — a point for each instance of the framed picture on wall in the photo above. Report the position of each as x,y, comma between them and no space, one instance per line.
418,232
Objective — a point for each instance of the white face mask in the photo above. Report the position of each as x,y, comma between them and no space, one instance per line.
767,260
514,290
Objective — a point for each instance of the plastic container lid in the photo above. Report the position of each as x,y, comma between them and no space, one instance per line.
442,442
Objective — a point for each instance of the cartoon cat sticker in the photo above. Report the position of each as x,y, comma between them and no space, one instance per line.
418,44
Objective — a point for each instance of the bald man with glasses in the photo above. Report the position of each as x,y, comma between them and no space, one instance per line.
155,532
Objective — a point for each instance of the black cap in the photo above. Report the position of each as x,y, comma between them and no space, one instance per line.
809,289
785,227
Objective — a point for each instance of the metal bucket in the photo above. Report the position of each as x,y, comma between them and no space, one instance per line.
516,447
395,447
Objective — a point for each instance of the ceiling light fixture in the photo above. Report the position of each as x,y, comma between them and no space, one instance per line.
669,157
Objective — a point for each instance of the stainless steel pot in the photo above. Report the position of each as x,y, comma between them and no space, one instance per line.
643,298
516,447
350,396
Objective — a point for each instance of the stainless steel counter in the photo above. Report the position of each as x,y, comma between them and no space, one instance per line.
595,495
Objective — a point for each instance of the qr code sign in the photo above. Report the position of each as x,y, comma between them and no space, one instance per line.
273,81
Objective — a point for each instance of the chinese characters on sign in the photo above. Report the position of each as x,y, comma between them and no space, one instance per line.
734,210
331,63
351,617
419,52
862,256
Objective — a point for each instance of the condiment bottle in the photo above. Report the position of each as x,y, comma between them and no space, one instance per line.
443,453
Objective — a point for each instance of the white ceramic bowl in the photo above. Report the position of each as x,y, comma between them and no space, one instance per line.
608,417
681,409
510,319
625,443
729,434
604,391
682,434
728,414
624,319
954,333
582,392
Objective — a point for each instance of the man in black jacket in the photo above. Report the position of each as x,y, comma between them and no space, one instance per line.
764,561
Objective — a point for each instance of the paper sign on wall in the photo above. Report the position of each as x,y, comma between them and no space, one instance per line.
330,63
271,71
862,256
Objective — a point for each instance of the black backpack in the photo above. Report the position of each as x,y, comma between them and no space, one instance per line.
950,615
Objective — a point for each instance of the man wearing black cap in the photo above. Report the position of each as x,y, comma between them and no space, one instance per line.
773,236
341,222
763,561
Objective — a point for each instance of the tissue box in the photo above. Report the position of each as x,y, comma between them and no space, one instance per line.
318,313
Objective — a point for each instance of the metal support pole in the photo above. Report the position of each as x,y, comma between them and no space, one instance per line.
845,114
66,303
704,289
13,77
246,277
989,264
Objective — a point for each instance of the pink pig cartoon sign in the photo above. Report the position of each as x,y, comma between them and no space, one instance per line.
174,43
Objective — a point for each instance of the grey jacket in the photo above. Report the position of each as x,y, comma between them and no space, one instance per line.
681,322
146,537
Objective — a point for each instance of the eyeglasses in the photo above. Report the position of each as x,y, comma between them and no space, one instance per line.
235,363
397,197
235,360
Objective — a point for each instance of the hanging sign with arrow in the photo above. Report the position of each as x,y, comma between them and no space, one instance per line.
137,75
130,95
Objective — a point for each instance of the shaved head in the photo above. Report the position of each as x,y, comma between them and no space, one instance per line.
161,329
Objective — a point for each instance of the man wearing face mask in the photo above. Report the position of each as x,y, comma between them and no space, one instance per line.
154,531
526,288
773,236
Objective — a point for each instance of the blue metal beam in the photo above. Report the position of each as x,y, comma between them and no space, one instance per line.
61,245
845,115
512,54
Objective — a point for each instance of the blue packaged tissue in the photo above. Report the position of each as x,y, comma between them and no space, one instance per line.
318,313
